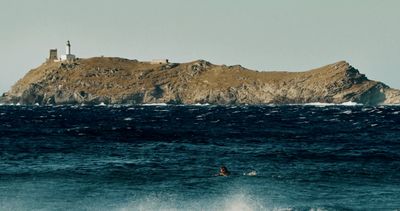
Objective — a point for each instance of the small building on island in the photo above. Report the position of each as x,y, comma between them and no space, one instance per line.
68,57
159,61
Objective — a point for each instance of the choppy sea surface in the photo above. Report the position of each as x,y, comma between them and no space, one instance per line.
298,157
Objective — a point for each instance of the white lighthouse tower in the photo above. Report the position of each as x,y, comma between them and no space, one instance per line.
68,56
68,51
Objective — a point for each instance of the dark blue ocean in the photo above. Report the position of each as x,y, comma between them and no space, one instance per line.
322,157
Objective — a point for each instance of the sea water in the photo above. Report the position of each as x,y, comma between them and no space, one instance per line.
160,157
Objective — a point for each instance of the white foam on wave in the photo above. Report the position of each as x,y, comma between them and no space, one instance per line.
231,202
392,105
241,202
40,194
347,112
251,173
318,104
351,104
154,104
200,104
366,109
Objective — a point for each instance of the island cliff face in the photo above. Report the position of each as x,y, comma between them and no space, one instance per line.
123,81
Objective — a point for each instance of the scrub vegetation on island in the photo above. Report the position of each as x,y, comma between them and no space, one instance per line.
112,80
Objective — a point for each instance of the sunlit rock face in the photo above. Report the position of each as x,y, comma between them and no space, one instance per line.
122,81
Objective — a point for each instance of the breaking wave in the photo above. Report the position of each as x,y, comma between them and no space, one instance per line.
333,104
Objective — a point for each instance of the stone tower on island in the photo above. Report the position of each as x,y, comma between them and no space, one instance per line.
53,55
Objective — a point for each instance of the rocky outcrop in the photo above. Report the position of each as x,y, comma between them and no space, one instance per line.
123,81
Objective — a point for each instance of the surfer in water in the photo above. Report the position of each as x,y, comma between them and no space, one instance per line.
223,171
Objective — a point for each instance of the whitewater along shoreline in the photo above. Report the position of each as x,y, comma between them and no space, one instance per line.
112,80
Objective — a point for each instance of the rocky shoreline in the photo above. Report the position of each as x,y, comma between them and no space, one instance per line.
112,80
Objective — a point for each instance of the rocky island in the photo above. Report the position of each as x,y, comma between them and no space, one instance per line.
123,81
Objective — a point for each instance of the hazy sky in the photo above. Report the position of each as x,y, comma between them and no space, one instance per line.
289,35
